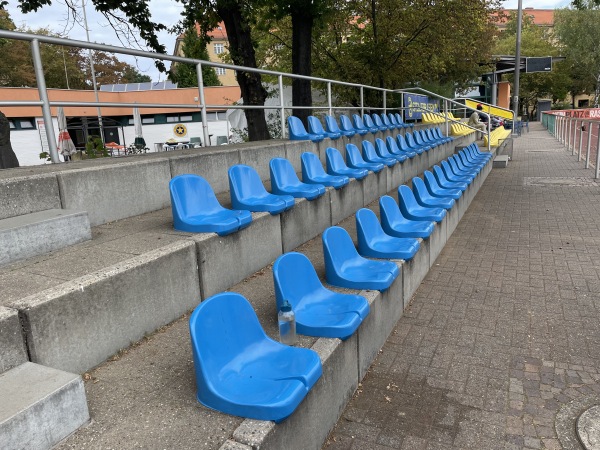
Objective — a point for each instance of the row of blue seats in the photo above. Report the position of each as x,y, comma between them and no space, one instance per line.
373,123
196,208
241,371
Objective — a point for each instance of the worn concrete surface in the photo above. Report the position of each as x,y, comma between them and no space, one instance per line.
588,428
12,347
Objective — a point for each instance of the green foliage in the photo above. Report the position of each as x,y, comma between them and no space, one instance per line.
94,148
132,75
185,74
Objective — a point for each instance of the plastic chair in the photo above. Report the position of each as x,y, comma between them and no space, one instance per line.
418,137
346,125
395,149
373,242
359,125
452,176
284,181
313,173
344,267
467,162
436,190
196,209
315,127
432,137
424,198
410,141
337,166
439,133
356,161
394,223
394,121
370,155
382,150
332,127
444,182
402,122
412,210
371,125
319,311
460,169
299,133
247,192
239,369
379,123
387,122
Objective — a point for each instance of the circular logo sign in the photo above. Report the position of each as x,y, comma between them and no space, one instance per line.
180,130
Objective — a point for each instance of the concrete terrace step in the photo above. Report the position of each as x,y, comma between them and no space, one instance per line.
33,234
40,406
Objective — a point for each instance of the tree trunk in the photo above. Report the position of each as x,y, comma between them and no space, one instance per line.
242,54
302,25
8,159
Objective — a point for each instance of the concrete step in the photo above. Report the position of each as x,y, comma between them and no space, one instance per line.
40,406
41,232
12,346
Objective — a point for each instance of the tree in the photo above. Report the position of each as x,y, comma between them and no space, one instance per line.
577,32
185,74
132,75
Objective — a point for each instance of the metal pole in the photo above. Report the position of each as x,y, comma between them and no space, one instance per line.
282,105
385,102
329,98
200,78
574,137
517,63
362,103
589,146
580,142
598,155
46,113
95,85
446,118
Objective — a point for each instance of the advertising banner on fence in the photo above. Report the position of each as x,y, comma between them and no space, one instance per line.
415,105
591,113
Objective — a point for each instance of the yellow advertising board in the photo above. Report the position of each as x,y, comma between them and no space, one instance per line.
490,109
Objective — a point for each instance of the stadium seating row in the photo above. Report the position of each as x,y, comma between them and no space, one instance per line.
496,136
241,371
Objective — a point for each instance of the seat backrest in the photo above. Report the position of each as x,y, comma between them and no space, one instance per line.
390,213
431,182
191,195
399,118
296,127
377,120
382,149
338,248
393,121
392,145
402,143
358,123
331,124
419,187
368,121
315,126
311,165
406,198
282,172
368,227
334,160
294,277
353,154
245,182
346,124
410,140
386,121
222,327
369,152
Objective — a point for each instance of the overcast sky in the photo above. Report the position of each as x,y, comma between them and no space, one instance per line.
164,11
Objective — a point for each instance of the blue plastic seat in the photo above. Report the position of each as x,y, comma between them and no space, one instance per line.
402,122
395,224
319,311
477,154
452,176
373,242
332,127
468,155
344,267
387,122
299,133
434,137
337,166
382,150
436,190
284,181
370,155
346,125
439,133
313,173
428,138
379,122
404,145
359,126
316,127
424,198
239,369
459,169
446,183
412,143
466,160
370,124
356,161
247,192
398,146
419,139
412,210
196,209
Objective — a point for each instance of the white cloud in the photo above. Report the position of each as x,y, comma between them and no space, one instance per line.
536,4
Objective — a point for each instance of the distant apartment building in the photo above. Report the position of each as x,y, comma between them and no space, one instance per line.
217,49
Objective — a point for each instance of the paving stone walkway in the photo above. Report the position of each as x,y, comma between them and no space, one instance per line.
500,347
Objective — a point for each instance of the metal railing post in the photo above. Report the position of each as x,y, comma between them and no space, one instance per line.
569,136
329,98
282,106
362,101
385,102
580,141
597,175
574,123
46,112
203,105
446,124
589,146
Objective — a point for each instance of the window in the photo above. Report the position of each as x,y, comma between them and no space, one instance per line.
25,124
219,49
11,124
172,119
185,118
583,103
147,119
220,71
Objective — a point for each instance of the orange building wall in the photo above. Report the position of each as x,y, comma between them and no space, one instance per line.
503,99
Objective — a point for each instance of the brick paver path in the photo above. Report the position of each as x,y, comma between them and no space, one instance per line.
504,333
